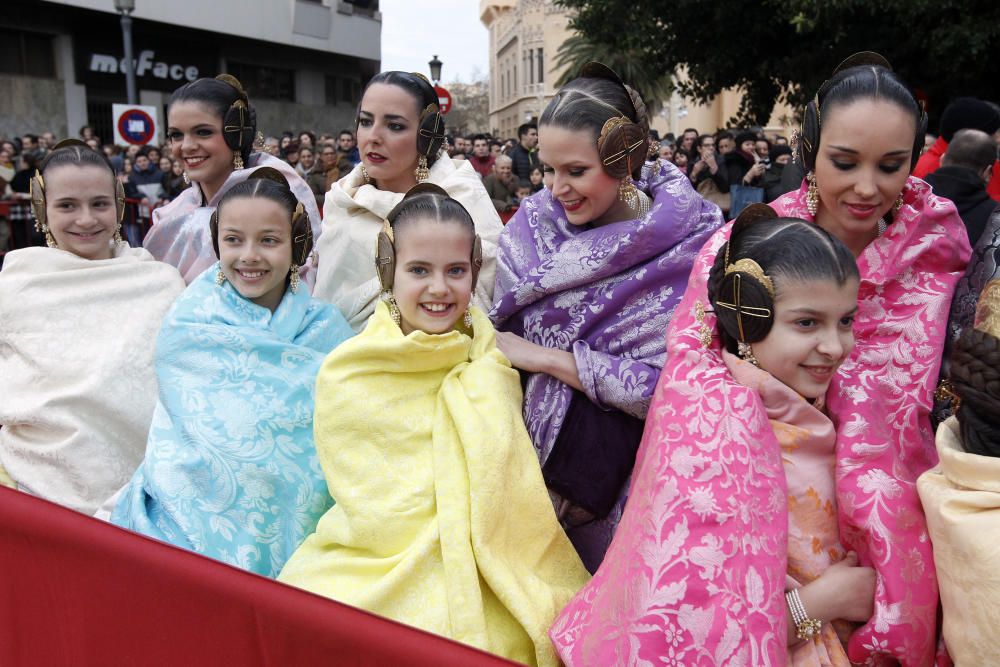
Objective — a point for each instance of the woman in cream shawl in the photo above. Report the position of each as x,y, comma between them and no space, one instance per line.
77,321
399,135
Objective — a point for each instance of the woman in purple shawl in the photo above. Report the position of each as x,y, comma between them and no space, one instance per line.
588,275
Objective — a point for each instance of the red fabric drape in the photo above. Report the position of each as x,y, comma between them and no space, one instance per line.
77,591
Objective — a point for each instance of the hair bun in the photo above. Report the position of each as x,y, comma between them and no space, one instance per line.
622,146
641,113
751,215
235,83
863,58
271,174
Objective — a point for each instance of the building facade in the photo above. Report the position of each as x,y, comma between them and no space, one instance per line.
525,36
302,62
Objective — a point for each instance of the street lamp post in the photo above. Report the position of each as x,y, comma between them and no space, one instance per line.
125,8
435,66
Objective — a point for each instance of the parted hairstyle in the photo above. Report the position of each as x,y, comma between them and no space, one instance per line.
863,76
269,183
591,100
788,250
76,153
225,97
430,123
422,202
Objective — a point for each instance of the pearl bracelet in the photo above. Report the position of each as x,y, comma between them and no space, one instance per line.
805,627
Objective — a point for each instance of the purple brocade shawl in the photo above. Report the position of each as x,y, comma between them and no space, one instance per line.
606,294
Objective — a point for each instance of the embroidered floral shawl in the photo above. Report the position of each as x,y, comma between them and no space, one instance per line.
181,236
231,470
697,568
605,294
77,387
442,520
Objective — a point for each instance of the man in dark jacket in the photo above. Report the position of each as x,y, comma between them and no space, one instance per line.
525,154
963,176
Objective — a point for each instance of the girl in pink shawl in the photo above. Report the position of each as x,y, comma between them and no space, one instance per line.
697,570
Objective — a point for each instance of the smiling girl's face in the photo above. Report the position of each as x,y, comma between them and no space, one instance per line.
433,279
255,248
812,334
80,209
196,140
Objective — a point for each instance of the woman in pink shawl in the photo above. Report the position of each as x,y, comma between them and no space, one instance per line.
211,132
697,571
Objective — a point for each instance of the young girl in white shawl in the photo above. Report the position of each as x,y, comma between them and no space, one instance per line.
77,324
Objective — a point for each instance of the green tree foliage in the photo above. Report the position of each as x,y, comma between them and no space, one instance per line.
782,50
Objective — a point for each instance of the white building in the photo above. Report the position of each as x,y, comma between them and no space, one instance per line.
303,62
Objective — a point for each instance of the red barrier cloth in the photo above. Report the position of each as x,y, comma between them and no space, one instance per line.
78,591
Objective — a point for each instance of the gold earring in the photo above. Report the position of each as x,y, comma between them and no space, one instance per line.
390,301
467,319
704,331
812,194
118,233
628,194
220,278
898,204
237,160
364,174
187,179
746,353
422,173
293,282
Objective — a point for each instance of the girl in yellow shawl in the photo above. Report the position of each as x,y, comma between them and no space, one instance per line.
442,520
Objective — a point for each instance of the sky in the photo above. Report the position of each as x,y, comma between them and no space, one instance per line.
413,31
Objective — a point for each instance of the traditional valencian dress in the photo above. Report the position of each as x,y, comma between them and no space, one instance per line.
352,219
698,567
442,520
606,294
230,469
77,386
181,235
962,500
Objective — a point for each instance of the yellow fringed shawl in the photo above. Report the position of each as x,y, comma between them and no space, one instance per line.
442,519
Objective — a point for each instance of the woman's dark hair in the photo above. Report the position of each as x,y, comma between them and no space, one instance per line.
430,134
312,137
864,76
269,183
975,376
787,250
219,96
588,102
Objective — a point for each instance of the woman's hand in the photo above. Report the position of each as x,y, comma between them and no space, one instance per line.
528,356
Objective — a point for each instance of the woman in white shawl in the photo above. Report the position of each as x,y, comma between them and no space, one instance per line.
211,129
400,132
77,325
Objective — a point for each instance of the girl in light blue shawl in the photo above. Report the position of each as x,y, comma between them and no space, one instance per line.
230,469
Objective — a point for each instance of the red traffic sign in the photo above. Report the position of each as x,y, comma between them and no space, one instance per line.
136,127
444,99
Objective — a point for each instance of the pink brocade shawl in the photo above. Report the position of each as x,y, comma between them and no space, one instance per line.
696,571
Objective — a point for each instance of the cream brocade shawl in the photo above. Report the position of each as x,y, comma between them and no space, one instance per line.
77,387
352,219
961,499
442,520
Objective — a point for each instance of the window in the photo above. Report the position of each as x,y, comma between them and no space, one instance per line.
342,90
270,83
27,54
541,67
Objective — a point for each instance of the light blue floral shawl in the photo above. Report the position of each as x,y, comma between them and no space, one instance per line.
231,470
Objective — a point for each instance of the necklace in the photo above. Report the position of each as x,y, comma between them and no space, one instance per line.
882,224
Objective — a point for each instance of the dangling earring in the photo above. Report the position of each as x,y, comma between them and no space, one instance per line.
43,228
390,301
237,160
704,331
220,278
422,173
746,353
293,282
628,194
467,319
898,204
812,194
364,175
118,233
187,179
